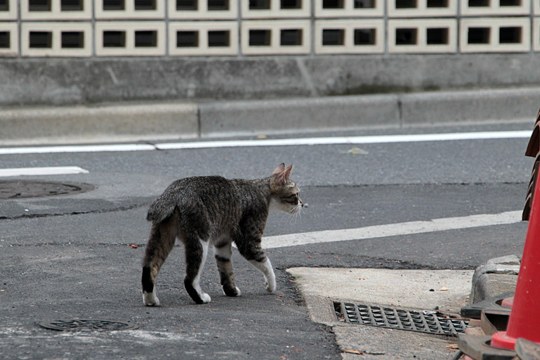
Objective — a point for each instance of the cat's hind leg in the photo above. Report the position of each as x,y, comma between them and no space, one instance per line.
196,252
223,253
160,244
253,252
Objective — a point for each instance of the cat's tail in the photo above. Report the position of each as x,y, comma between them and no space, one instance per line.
160,210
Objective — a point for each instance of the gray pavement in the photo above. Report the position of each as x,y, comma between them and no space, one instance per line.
89,270
52,282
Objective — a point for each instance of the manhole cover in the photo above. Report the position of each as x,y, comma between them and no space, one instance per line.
429,322
19,189
85,325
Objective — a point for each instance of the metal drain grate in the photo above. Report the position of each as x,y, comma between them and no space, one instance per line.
429,322
85,325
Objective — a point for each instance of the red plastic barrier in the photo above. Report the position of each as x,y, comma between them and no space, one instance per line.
524,319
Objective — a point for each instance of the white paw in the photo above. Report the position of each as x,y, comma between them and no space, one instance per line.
270,285
205,298
150,299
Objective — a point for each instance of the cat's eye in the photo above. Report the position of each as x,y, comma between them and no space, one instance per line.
293,199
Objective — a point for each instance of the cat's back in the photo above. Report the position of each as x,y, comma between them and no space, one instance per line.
210,191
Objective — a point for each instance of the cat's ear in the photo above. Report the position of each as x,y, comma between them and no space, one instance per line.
288,171
279,169
282,173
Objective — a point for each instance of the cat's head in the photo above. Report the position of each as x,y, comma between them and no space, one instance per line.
285,192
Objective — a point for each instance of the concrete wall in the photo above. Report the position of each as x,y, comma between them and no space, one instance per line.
95,80
84,52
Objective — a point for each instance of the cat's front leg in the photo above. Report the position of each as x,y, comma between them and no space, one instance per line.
253,252
265,267
223,253
271,285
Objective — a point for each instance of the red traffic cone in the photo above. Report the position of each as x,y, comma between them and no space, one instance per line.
525,315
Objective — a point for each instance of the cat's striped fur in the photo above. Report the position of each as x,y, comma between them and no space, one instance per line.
214,211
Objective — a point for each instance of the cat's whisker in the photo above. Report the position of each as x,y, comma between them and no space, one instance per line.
297,213
292,220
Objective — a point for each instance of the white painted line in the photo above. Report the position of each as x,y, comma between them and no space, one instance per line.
76,149
337,140
55,170
378,139
399,229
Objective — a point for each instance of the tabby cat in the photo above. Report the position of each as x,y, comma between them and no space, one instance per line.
211,210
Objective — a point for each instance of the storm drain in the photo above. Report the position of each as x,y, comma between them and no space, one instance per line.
430,322
19,189
86,325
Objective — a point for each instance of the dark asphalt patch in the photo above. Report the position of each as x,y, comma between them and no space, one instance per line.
21,189
86,325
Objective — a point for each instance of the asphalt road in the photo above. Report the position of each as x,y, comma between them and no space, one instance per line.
66,257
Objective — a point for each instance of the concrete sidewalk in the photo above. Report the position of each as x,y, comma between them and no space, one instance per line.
167,120
444,291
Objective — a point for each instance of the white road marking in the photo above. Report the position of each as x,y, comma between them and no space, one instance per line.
53,170
76,149
348,140
336,140
399,229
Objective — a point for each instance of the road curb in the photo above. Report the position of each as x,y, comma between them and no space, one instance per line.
298,115
497,276
85,123
469,106
277,116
